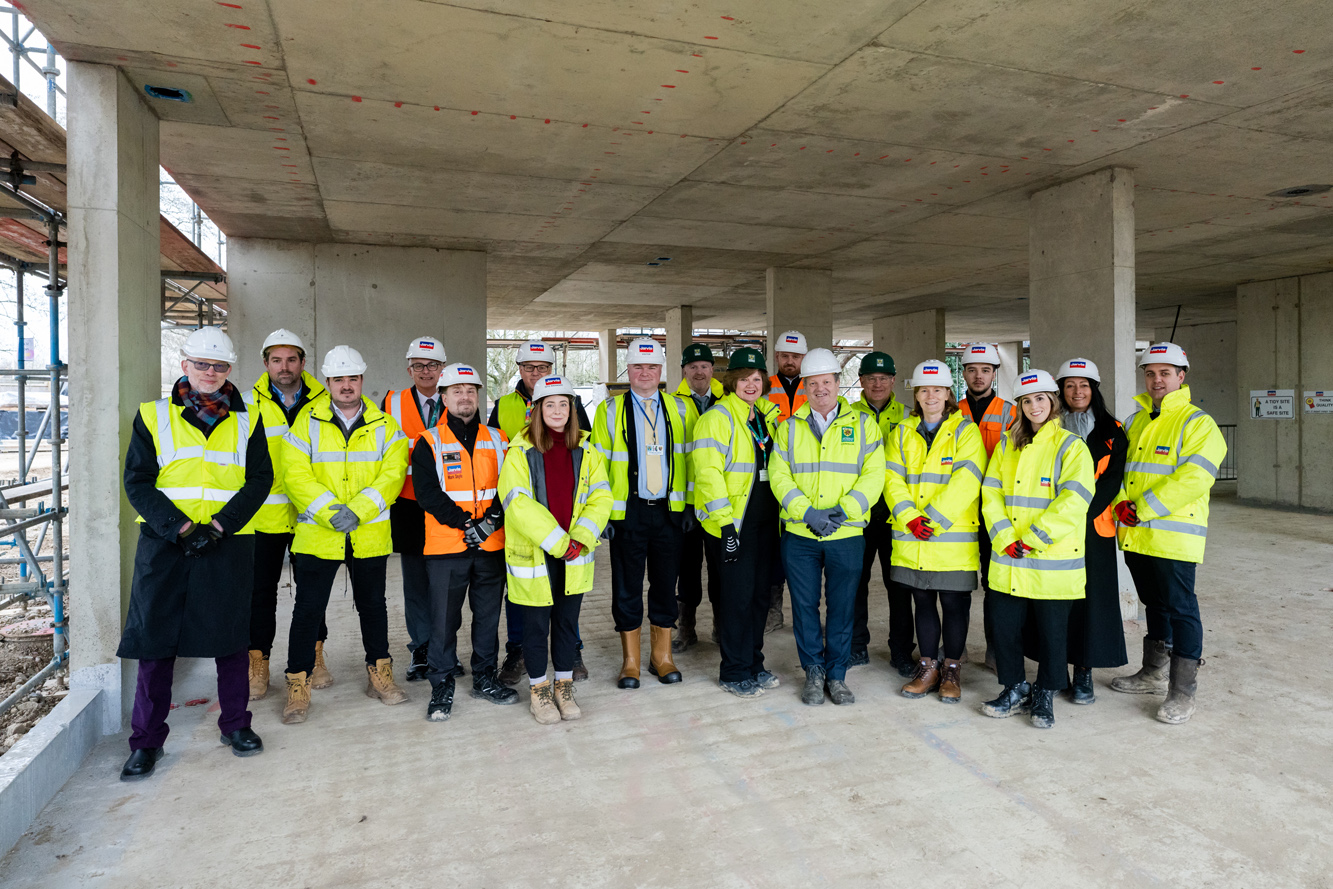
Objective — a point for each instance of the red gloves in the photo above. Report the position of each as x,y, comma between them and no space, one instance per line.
921,528
1015,550
1126,514
573,552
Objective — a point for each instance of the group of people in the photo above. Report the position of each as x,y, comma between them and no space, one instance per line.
765,479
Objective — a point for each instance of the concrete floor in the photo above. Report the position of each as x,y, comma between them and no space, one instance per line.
685,785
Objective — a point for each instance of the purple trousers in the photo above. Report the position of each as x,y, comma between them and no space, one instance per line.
152,698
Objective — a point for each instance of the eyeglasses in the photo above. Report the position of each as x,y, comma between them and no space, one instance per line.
422,367
534,367
215,366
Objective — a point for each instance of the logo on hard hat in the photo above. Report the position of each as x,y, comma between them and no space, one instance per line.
1157,350
465,372
426,344
791,339
978,350
930,369
536,347
1074,364
1030,378
645,348
553,381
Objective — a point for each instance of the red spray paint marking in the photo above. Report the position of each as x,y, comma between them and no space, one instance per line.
356,98
1184,95
239,27
1256,69
310,80
513,117
714,38
668,86
398,104
728,18
280,148
271,117
250,46
247,62
173,64
858,154
1121,119
681,71
696,55
1298,51
228,5
585,126
261,92
475,113
276,130
802,148
1219,82
437,107
548,120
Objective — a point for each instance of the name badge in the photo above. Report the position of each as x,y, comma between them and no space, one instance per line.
656,450
763,475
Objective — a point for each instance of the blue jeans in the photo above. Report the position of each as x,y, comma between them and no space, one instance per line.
1166,589
838,564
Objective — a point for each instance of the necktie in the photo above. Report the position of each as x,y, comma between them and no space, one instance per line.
432,412
652,469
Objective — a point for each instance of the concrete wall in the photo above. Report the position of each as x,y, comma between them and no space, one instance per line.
1212,376
910,340
800,299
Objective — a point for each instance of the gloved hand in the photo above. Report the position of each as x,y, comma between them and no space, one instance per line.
819,521
921,528
688,521
1126,514
484,527
200,540
1015,550
343,520
472,535
575,549
731,543
837,516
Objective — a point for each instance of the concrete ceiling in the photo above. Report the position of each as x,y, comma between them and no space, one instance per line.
894,142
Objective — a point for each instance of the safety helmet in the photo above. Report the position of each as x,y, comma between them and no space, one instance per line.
696,352
343,361
931,373
1079,367
645,350
553,384
209,344
535,350
1034,381
427,347
820,361
792,341
1164,353
980,353
459,373
747,359
283,337
878,363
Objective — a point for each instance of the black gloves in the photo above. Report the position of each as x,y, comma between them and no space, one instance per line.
200,540
731,543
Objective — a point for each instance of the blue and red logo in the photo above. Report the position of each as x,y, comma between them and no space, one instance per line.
646,348
553,381
792,340
930,369
1045,482
1163,450
1158,350
465,371
426,346
1029,378
946,461
1074,364
978,350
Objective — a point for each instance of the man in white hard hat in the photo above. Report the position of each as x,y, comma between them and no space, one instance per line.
196,471
535,359
415,410
786,393
279,395
1175,450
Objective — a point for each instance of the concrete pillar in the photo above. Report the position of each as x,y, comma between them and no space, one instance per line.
1081,285
1011,365
1269,315
270,284
679,334
114,329
606,356
800,299
909,339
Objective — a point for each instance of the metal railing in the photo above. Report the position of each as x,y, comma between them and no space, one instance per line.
1227,471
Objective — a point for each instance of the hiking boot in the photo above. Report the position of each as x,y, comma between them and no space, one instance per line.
925,679
564,699
684,635
951,687
1043,708
258,675
542,703
512,669
745,688
580,671
659,656
839,692
765,679
630,651
298,698
1179,704
381,684
486,686
860,657
812,693
1014,699
417,670
442,700
320,677
1151,679
1080,687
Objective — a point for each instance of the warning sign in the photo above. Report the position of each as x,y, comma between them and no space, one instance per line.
1319,402
1272,404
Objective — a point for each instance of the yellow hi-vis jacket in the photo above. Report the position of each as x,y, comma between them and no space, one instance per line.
843,468
887,419
941,483
277,515
1169,472
364,473
722,462
686,394
200,475
531,532
609,438
1039,495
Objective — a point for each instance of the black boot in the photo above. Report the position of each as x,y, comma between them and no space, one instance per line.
813,692
244,742
512,669
1043,708
860,656
442,700
418,668
1080,689
903,663
580,671
141,763
486,686
1014,699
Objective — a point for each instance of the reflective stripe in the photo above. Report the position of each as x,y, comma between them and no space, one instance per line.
938,517
1180,445
1001,525
991,482
1199,460
275,431
789,497
712,443
523,572
1058,469
903,505
1038,564
860,500
1026,502
553,538
1179,527
938,537
895,467
676,497
298,443
1149,468
276,500
930,478
598,486
375,497
382,517
740,467
345,457
585,558
589,525
514,492
969,466
1041,535
323,500
1153,503
1077,488
714,505
212,495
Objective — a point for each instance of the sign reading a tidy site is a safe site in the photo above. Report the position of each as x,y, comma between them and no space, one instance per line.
1319,402
1272,404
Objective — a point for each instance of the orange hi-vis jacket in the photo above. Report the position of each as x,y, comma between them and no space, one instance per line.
993,421
402,406
778,395
470,480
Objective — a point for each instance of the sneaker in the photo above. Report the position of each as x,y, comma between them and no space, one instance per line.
512,669
860,657
765,679
486,686
441,700
746,688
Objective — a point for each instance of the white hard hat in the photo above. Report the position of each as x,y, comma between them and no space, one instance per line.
535,350
209,344
820,361
343,361
1079,367
1164,353
931,373
427,347
283,337
645,350
792,341
1034,381
459,373
551,385
980,353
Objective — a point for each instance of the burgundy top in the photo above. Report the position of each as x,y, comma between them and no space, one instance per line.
559,465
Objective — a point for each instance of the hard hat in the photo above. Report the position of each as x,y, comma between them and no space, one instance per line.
695,352
551,385
459,373
1034,381
645,351
535,350
820,361
1079,367
1164,353
747,359
878,363
792,341
283,337
343,361
931,373
427,347
209,344
980,353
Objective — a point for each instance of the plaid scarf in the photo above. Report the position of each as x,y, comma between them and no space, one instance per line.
210,407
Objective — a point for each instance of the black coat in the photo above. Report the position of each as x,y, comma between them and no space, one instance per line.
182,606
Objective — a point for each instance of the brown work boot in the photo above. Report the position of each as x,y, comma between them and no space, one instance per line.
320,677
951,686
1151,679
684,635
542,703
925,680
381,684
659,658
1179,704
258,675
564,699
629,671
298,698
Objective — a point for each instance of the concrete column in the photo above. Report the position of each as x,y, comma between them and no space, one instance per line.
270,284
909,339
1081,286
114,326
1011,365
800,299
679,334
606,356
1268,356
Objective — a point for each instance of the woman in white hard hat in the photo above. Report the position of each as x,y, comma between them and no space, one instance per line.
936,459
556,500
1035,503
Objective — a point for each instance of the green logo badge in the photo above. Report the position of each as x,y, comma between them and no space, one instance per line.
848,435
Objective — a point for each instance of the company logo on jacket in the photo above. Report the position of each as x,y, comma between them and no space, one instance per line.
1045,482
1163,449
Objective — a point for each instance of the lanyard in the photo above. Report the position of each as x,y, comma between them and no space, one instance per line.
652,424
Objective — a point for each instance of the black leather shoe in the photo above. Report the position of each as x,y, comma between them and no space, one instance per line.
418,669
860,657
441,700
487,687
141,763
1080,690
244,742
1043,708
1014,699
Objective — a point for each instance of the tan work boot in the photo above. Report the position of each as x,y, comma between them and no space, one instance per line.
381,684
564,699
298,698
320,677
542,703
925,680
1151,679
258,675
951,685
629,648
659,657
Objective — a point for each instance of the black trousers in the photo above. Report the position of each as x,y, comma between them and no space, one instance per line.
1049,629
690,585
957,608
480,578
987,619
648,537
902,632
270,553
558,622
745,588
314,582
1166,589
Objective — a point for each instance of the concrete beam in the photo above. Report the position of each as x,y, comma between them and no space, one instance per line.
1011,364
910,339
679,334
607,369
800,299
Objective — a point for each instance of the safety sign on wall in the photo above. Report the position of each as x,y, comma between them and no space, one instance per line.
1272,404
1319,402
